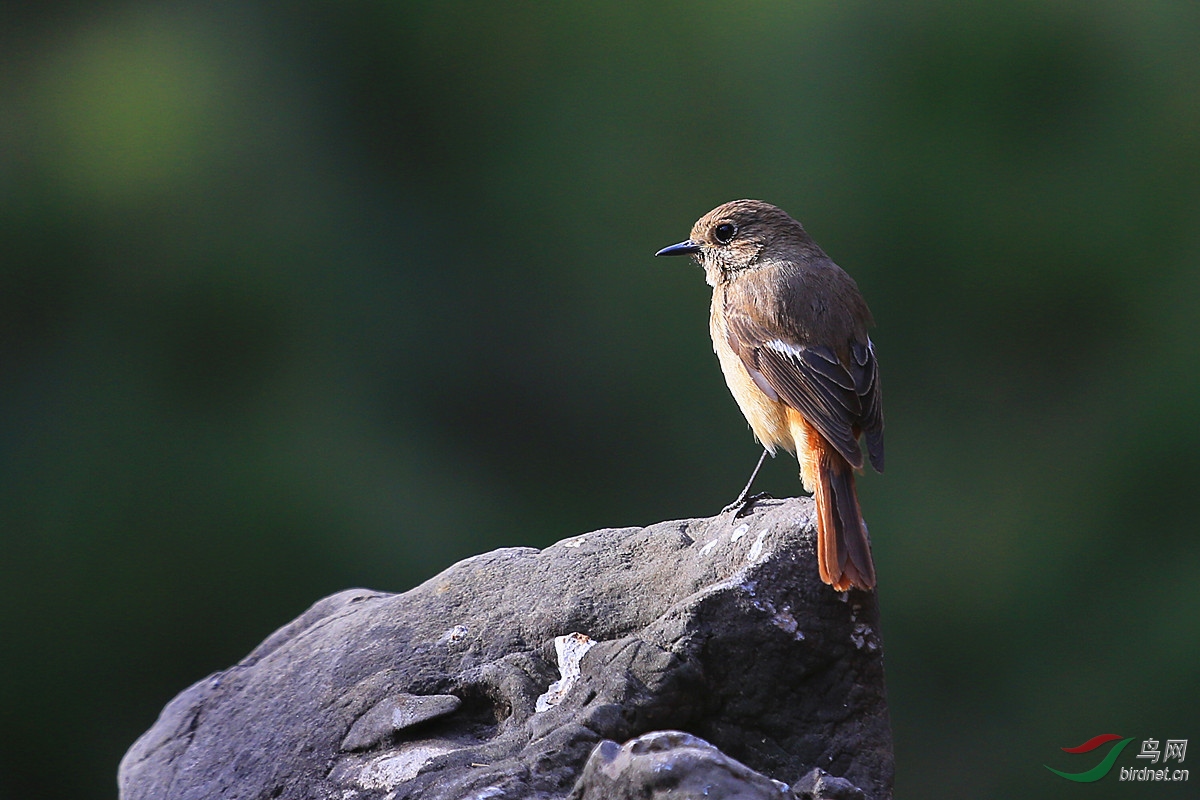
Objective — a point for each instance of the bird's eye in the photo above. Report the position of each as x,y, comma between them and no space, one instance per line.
725,232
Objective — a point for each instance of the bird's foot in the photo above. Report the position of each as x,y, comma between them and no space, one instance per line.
741,507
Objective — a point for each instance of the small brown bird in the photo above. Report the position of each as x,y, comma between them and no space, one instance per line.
790,330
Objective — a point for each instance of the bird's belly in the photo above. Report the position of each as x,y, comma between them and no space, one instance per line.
768,418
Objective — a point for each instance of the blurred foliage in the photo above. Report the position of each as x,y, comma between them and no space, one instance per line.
296,297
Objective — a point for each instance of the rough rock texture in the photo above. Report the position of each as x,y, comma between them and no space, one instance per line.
669,764
716,656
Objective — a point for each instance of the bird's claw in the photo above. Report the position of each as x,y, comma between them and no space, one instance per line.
741,507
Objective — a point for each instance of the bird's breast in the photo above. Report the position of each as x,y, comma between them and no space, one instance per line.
768,418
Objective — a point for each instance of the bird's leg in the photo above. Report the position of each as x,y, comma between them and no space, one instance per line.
744,500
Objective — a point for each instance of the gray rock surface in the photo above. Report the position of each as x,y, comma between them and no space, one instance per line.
669,764
716,655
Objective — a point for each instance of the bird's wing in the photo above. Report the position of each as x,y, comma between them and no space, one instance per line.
838,399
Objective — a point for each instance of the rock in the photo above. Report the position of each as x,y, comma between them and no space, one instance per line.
716,654
820,785
393,714
670,764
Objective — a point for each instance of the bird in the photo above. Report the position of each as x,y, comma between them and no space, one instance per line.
789,327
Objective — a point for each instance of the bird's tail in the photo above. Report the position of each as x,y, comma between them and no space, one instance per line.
843,549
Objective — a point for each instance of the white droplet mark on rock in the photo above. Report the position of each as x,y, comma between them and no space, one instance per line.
570,650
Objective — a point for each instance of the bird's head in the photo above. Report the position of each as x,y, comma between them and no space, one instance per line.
740,236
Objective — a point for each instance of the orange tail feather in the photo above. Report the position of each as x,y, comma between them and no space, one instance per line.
843,549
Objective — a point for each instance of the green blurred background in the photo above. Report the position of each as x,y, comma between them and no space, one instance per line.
296,297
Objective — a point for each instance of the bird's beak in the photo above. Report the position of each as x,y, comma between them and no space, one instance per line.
682,249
